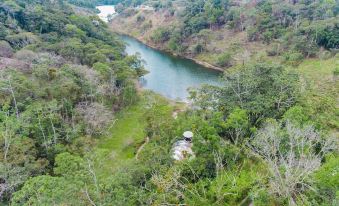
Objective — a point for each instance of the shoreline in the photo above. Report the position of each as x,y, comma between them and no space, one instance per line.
202,63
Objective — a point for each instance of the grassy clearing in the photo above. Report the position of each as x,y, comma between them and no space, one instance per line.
321,97
127,129
318,72
127,133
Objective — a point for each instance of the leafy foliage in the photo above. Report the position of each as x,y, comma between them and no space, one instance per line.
253,143
51,97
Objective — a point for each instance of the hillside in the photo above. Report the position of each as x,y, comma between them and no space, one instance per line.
76,128
226,33
63,77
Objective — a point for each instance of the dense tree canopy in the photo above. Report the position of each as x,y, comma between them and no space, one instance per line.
50,94
264,136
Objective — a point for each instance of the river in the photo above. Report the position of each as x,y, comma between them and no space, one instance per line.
169,75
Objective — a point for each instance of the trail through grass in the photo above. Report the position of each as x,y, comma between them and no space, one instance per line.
126,134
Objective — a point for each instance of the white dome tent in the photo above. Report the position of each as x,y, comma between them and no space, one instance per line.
182,149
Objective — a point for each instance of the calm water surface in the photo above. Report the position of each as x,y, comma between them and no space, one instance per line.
169,75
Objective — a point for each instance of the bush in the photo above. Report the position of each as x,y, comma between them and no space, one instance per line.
324,55
336,71
198,48
146,26
252,34
160,35
268,36
25,55
128,12
173,44
21,40
3,32
293,58
303,45
326,182
140,18
274,50
224,60
5,49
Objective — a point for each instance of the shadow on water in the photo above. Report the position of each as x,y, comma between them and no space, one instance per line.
170,75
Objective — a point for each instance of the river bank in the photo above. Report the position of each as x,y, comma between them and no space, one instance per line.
153,46
170,75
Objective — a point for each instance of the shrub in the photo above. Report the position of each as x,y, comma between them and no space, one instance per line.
3,31
336,71
303,45
146,26
140,18
252,34
128,12
102,68
198,48
25,55
274,50
160,35
173,44
268,36
21,40
5,49
324,55
224,60
293,58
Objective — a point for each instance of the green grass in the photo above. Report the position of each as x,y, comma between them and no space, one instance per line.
126,134
318,72
320,98
127,129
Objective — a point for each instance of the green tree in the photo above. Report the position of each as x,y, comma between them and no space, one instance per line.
326,182
224,60
160,35
237,125
263,90
47,190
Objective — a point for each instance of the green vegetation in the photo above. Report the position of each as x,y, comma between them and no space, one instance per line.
291,29
74,129
93,3
127,133
52,100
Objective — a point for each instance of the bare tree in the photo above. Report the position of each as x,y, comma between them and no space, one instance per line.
8,134
10,178
292,154
6,86
95,181
96,116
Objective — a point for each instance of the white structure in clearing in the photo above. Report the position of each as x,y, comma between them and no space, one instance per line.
182,149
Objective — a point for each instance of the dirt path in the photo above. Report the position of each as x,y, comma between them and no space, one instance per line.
141,147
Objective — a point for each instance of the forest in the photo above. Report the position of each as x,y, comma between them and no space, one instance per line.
77,129
284,30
